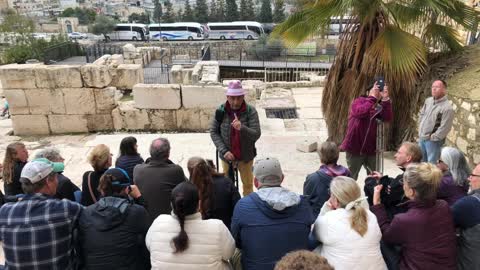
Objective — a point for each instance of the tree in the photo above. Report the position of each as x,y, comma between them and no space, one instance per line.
278,11
247,10
157,11
102,26
179,15
231,11
221,12
22,27
395,39
188,13
139,18
168,15
201,11
212,16
84,15
265,14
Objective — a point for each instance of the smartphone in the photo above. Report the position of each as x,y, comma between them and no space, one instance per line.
381,82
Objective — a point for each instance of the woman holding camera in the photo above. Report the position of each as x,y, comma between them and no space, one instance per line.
360,141
112,231
425,233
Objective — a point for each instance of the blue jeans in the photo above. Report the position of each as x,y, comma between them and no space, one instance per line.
431,150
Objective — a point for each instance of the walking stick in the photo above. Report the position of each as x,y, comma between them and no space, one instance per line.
380,146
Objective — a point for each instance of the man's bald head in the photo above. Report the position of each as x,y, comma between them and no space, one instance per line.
160,149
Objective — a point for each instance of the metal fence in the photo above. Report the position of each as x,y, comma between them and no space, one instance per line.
61,52
157,73
293,74
93,52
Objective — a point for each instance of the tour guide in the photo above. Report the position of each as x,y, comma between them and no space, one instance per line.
234,131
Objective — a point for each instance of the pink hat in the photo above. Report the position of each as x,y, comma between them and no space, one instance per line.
235,89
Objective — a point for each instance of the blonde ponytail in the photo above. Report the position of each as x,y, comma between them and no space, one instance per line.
425,179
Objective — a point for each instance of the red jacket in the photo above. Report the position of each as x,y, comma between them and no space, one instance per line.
425,232
362,125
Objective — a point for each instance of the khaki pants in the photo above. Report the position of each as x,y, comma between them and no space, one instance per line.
246,173
355,163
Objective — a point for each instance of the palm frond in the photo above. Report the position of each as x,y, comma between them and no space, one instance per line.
442,38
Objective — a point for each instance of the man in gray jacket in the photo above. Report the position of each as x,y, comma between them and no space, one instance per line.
436,117
234,131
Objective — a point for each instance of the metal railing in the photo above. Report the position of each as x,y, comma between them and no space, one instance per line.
93,52
61,52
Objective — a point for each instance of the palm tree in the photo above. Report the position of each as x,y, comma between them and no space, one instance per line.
394,38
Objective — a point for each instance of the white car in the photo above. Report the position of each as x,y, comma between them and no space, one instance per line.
77,35
39,35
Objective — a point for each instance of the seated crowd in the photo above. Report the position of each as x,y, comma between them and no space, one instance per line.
146,214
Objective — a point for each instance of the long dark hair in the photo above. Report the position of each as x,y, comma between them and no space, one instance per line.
184,202
106,188
202,178
9,161
127,146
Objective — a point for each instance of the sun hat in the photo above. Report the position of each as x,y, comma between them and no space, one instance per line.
235,89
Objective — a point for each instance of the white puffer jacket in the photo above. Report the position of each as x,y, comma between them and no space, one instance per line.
210,244
343,247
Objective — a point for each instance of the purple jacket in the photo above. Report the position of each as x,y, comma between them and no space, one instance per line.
449,191
362,119
425,232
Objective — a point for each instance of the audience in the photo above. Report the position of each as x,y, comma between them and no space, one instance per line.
317,184
392,193
16,156
269,223
349,233
455,171
101,159
466,215
157,178
196,243
65,189
112,231
37,231
303,260
425,232
129,156
218,195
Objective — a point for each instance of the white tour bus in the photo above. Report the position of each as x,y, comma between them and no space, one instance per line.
176,31
235,30
129,31
338,24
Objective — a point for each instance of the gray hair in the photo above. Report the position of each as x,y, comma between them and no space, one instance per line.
50,153
160,149
457,165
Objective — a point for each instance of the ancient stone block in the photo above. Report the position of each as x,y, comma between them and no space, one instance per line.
97,76
194,119
16,76
126,117
176,74
79,100
116,60
60,124
138,61
30,125
58,77
99,122
102,60
127,76
45,101
163,119
157,96
105,100
17,101
202,96
307,145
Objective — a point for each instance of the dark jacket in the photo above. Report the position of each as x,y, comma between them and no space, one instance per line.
128,162
392,193
226,197
94,180
265,235
156,180
15,187
425,232
361,135
466,215
449,191
317,184
112,235
65,189
249,132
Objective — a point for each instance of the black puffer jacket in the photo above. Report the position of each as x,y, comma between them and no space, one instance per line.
112,235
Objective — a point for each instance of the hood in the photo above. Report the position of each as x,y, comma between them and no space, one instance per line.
108,213
276,202
335,171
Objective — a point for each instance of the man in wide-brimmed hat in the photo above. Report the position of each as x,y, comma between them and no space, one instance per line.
234,131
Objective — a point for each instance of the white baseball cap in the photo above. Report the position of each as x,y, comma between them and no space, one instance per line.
38,169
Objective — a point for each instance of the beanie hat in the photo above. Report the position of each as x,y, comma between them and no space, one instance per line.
235,89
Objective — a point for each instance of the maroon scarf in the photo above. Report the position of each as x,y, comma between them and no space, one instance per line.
235,142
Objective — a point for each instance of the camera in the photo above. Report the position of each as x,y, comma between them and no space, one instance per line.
380,82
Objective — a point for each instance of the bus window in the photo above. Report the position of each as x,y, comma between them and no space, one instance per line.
255,29
194,30
122,28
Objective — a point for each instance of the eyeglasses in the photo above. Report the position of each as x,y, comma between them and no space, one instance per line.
474,175
439,161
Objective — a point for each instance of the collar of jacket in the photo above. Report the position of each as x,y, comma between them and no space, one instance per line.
440,100
195,216
417,204
475,191
160,162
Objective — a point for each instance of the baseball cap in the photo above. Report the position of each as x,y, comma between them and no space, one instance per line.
268,171
40,168
120,177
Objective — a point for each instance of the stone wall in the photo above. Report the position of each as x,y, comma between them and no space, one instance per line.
465,133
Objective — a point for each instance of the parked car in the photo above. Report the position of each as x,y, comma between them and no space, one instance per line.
77,35
39,35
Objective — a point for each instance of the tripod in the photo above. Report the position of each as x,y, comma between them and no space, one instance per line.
380,146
